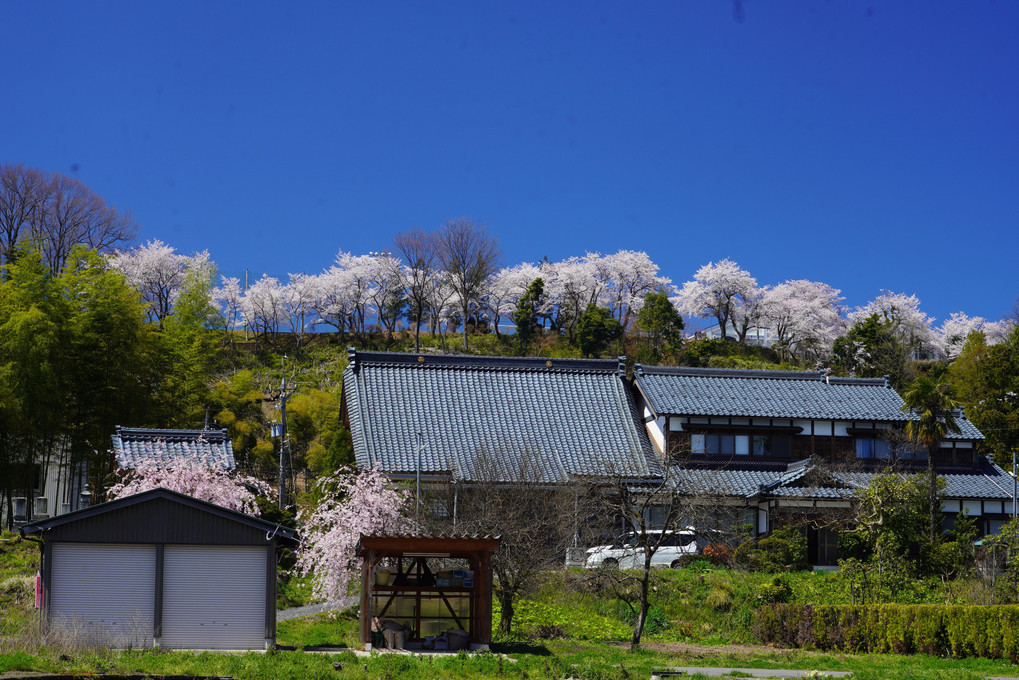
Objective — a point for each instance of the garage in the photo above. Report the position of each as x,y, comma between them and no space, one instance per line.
222,613
105,591
161,569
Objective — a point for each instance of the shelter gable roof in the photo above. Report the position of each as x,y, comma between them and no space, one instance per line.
447,546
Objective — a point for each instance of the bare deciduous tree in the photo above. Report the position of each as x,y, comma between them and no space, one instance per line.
22,192
646,507
509,494
56,213
469,254
73,215
418,251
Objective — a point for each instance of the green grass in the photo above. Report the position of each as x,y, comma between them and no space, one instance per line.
19,561
700,605
697,604
552,660
293,591
333,629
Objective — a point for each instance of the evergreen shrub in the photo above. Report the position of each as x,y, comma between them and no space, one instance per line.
987,631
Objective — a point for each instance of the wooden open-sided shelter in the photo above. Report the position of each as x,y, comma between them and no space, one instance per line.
414,592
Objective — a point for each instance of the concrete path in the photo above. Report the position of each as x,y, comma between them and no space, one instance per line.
298,612
673,671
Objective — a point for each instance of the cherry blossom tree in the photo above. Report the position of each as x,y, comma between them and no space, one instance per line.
441,296
910,325
193,478
229,300
386,293
265,308
362,502
724,292
506,287
806,317
156,270
298,296
344,292
331,300
631,276
570,286
954,331
160,274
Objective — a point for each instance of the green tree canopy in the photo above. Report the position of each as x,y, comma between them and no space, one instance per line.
931,403
871,349
662,323
526,316
76,359
986,380
596,329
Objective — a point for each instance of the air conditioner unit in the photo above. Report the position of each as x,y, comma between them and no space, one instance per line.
42,506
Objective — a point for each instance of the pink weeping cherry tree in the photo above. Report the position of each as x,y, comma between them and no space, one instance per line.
355,503
192,478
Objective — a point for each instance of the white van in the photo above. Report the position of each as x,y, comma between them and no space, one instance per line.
628,553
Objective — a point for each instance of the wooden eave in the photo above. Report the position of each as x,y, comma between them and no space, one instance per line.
451,546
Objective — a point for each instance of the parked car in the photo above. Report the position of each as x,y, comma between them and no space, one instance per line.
627,553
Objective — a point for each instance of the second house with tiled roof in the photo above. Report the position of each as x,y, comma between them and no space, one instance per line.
796,446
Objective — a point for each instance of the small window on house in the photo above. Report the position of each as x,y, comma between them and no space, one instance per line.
871,448
911,452
742,445
697,444
762,445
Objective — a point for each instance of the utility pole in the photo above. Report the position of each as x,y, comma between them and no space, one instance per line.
280,430
417,484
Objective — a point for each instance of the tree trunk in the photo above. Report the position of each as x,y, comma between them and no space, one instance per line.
645,605
932,481
506,613
417,333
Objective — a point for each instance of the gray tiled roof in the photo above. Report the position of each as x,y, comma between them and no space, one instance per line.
133,446
484,417
774,394
741,482
984,481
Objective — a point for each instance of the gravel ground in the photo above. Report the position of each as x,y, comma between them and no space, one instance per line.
297,612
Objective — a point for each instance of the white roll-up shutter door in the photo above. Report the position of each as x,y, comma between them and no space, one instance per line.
104,592
214,597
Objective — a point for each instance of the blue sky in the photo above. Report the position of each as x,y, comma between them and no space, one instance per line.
867,145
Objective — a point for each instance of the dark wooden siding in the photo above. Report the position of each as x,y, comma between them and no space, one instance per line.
158,521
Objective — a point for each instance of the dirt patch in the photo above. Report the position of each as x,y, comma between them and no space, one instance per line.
695,651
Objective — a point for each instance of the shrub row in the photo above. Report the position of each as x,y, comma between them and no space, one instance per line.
940,630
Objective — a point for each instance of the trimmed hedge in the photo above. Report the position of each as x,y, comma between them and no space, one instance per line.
940,630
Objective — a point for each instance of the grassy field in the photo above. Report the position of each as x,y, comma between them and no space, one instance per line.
554,660
700,618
